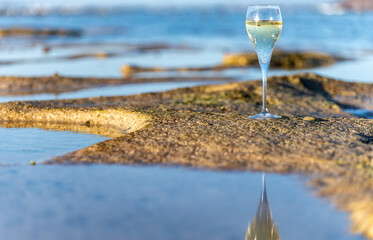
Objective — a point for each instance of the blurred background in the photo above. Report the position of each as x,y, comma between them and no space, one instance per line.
95,38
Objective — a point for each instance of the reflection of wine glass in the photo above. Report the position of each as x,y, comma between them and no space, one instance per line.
264,25
263,226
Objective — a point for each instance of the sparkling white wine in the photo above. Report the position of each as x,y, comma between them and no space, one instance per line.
264,35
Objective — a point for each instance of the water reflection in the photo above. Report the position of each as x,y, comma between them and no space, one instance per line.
263,226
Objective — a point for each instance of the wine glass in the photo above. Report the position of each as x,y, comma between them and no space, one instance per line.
264,25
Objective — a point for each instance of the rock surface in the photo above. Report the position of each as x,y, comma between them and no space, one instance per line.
280,59
208,127
6,32
13,85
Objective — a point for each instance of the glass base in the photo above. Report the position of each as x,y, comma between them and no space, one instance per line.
266,115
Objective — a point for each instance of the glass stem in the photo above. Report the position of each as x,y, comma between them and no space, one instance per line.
264,190
264,67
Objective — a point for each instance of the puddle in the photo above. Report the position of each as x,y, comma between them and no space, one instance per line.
263,225
361,112
122,90
126,202
353,71
132,202
22,145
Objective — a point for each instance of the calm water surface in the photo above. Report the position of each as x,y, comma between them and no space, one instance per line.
129,202
122,202
21,145
127,89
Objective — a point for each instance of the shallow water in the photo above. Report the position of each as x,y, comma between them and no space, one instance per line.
361,112
123,202
352,71
119,90
21,145
129,202
209,32
346,71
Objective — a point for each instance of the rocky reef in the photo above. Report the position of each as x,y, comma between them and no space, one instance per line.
208,127
280,60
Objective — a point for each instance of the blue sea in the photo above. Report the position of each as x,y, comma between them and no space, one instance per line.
208,31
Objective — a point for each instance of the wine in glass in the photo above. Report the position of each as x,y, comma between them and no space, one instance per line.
264,25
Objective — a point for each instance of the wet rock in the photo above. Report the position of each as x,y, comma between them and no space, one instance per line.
6,32
280,59
99,55
128,70
309,119
46,49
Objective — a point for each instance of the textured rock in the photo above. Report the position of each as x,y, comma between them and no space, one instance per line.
208,127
